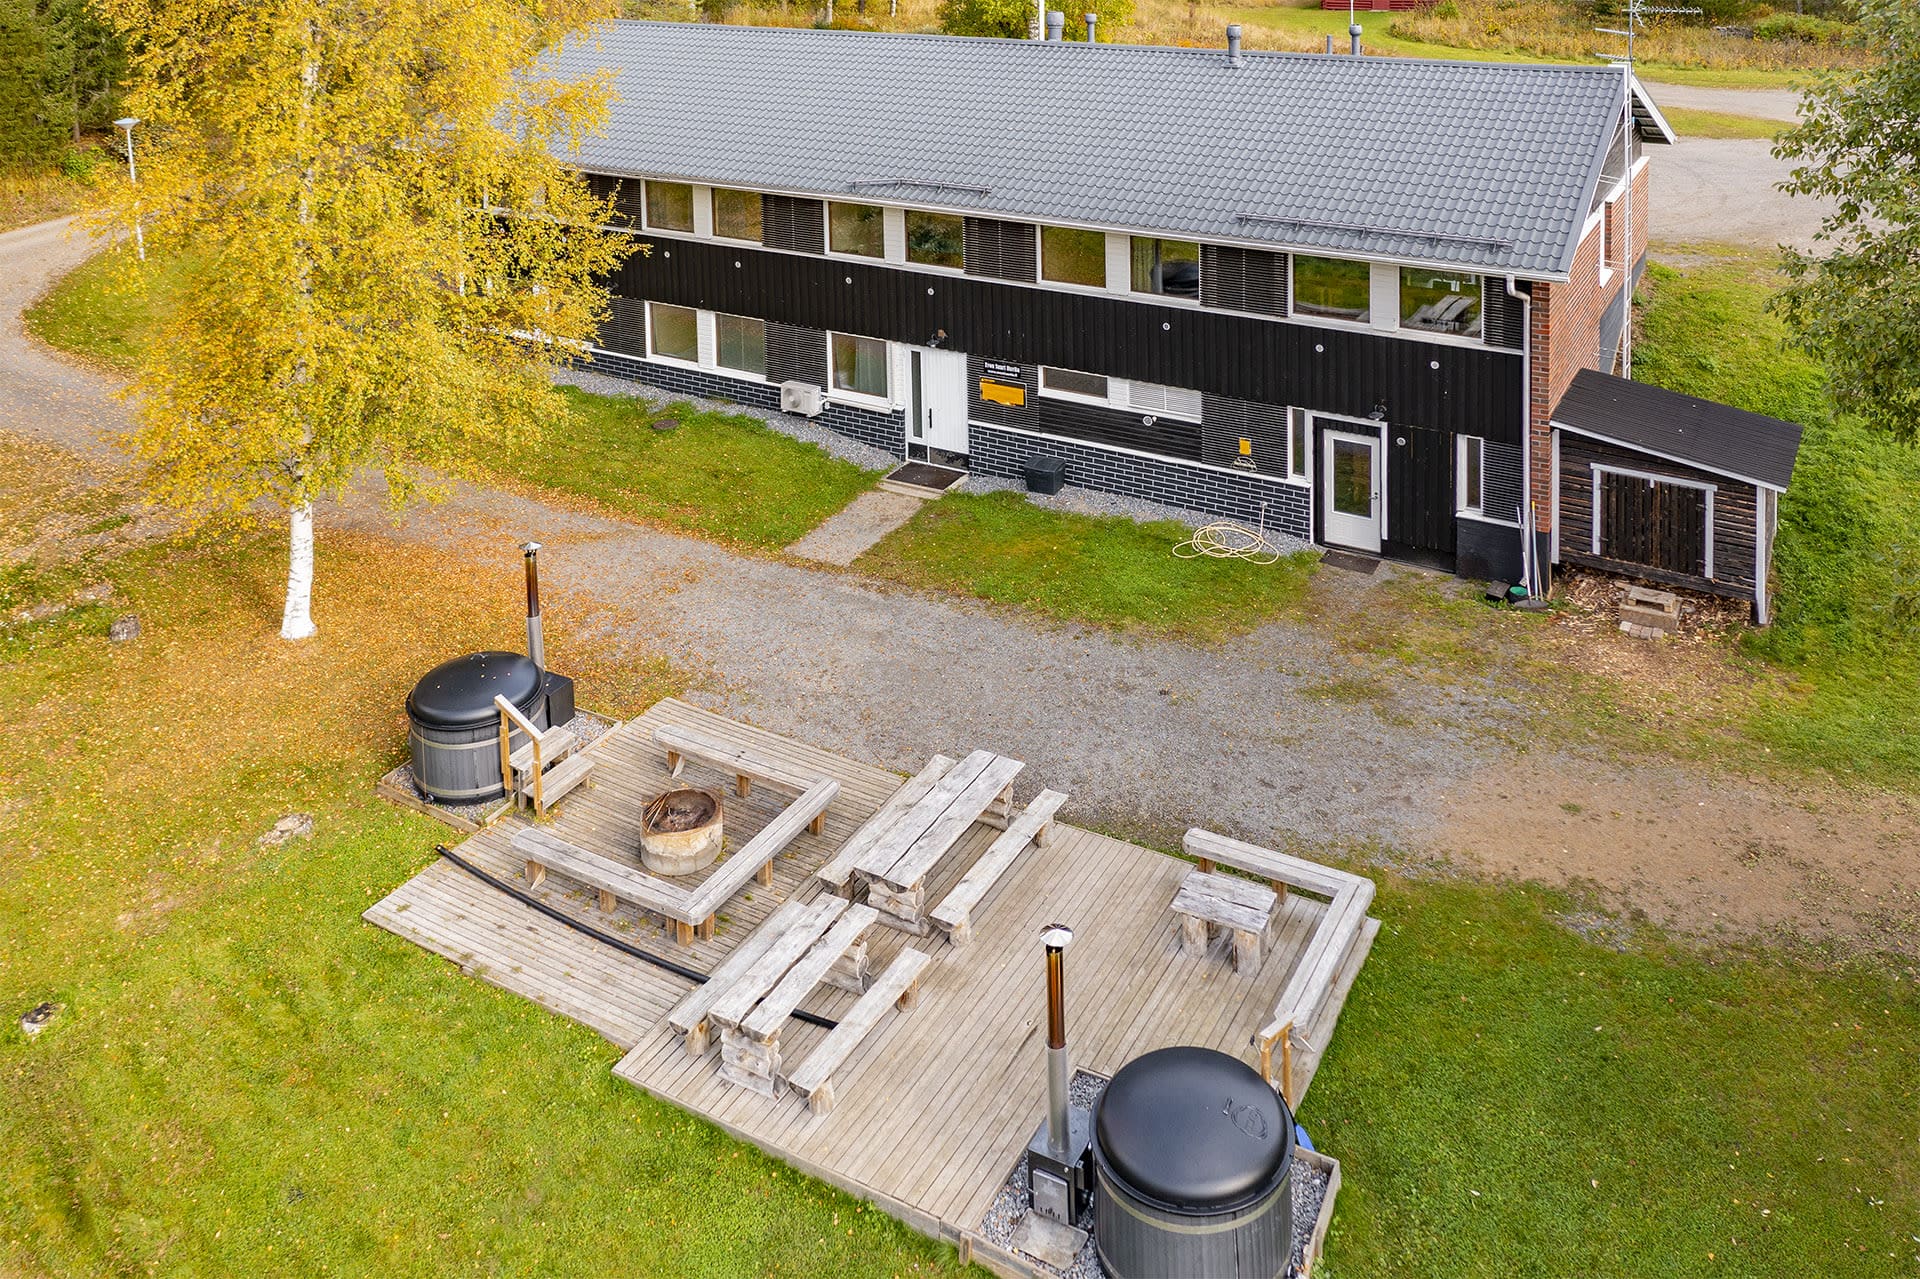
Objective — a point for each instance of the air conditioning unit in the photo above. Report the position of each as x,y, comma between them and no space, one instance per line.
803,398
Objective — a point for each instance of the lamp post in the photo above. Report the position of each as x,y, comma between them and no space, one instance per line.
125,125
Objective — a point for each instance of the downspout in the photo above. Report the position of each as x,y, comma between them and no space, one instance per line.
1626,225
1526,418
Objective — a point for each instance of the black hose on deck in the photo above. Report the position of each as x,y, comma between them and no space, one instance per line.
693,975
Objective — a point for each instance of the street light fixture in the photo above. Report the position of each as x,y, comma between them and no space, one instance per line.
125,125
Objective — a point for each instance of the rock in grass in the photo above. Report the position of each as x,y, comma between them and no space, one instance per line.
124,628
37,1018
291,827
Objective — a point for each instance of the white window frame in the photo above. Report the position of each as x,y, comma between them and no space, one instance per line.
1463,444
935,267
1368,325
860,398
713,215
700,343
1166,299
886,231
1040,260
1119,396
1650,477
1079,397
646,209
727,370
1299,445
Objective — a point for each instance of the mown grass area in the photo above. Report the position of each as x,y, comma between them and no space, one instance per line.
1691,123
1507,1099
245,1079
1108,570
723,476
1847,559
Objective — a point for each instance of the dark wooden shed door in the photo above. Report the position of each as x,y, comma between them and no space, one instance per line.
1420,488
1659,525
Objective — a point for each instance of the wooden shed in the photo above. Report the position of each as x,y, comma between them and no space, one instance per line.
1663,486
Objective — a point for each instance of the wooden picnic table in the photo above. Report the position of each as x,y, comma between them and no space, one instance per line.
896,865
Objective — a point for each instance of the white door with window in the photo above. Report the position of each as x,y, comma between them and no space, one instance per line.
937,399
1350,487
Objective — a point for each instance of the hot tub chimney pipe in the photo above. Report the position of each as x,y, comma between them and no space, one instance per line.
536,642
1056,938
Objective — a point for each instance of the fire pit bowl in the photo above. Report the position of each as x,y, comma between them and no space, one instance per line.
680,832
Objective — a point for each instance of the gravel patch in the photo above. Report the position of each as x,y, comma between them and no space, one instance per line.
864,456
1011,1204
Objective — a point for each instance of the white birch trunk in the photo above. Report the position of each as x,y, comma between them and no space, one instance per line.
297,622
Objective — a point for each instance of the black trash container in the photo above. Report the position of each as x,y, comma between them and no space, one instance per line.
1046,474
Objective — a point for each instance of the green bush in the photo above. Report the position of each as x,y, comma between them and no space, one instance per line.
1010,18
1803,28
79,163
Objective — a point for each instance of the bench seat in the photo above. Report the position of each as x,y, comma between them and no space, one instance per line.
898,987
1208,900
1034,825
746,764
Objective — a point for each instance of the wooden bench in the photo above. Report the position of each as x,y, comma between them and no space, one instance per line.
898,987
689,1016
1209,901
746,764
1307,990
837,874
750,1042
545,767
1034,825
978,788
691,910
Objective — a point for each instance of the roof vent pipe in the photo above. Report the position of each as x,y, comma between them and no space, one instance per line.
1091,19
1329,42
1056,25
1354,32
1233,45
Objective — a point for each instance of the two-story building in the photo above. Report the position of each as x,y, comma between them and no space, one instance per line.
1338,294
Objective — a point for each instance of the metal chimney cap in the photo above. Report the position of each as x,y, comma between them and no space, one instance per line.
1056,936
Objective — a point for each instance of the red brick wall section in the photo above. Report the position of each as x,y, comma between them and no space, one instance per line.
1565,338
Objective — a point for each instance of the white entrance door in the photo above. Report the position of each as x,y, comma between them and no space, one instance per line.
937,399
1350,483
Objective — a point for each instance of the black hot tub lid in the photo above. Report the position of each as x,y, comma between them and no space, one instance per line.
459,693
1193,1130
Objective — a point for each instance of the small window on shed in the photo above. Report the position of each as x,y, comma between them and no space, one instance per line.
1069,255
669,206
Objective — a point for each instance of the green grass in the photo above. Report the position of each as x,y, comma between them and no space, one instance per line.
724,476
108,311
1691,123
1848,554
1108,570
1508,1099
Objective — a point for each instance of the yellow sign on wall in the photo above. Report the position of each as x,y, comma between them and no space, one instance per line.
1000,393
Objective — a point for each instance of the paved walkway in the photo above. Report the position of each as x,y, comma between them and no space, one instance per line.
856,526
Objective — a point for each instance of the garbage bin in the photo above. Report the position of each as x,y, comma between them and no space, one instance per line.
1046,474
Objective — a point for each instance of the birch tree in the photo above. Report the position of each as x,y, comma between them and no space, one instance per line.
388,256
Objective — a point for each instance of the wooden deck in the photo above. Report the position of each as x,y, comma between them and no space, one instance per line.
938,1102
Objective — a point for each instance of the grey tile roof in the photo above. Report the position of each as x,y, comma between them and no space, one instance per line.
1496,160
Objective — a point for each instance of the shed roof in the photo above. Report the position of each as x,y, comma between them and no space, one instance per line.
1486,165
1714,437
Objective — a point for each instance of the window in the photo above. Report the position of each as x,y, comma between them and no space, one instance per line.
860,365
673,332
1169,267
1297,425
1471,501
1439,301
1172,401
736,214
1335,288
936,239
670,206
1069,256
1089,386
856,228
740,344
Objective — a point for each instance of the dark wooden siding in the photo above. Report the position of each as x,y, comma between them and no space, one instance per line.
1419,489
627,194
1020,416
1251,280
1002,250
1475,390
1503,481
1127,428
789,222
1661,525
1734,513
796,354
625,328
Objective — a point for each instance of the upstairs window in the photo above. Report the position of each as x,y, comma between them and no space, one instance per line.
1071,256
1332,288
740,344
1167,267
1439,301
670,206
736,214
673,332
857,229
936,239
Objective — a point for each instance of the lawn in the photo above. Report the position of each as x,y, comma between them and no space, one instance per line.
1689,122
1108,570
247,1079
724,476
1847,559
